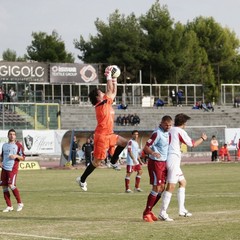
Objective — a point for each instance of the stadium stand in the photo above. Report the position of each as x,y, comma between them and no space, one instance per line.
75,117
213,123
12,119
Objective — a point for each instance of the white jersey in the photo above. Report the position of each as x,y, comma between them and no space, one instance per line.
134,148
178,136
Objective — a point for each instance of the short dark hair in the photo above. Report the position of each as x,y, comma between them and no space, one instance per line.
93,96
180,119
11,130
134,131
166,118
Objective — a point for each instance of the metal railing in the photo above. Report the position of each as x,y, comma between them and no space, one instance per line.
30,116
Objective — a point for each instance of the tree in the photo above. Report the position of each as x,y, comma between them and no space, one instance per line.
120,41
190,59
158,28
187,56
199,52
221,47
220,44
9,55
48,48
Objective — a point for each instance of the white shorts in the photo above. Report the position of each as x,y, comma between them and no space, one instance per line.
174,174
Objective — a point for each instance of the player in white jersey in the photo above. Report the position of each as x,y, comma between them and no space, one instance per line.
175,175
133,163
157,149
12,153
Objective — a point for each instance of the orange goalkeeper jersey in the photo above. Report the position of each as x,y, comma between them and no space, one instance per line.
104,116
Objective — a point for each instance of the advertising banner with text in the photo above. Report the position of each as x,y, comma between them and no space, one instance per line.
74,73
38,142
23,72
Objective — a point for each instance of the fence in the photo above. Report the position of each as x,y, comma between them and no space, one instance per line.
30,116
77,93
195,132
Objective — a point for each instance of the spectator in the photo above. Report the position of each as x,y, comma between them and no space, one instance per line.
12,97
210,106
159,103
92,139
87,148
119,120
196,106
136,120
173,97
214,148
199,104
122,106
223,152
130,119
237,102
204,107
74,151
1,97
180,97
125,120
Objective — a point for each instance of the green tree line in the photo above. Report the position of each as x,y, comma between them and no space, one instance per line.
162,50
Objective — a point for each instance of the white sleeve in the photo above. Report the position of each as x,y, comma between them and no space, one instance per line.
184,138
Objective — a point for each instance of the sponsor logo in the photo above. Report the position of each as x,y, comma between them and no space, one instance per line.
28,165
64,71
88,73
21,71
28,140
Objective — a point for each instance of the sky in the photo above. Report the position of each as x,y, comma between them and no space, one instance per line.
72,18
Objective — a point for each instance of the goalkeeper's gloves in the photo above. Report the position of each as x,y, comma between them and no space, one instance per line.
108,72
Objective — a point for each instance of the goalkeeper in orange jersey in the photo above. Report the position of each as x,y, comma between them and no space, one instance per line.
104,137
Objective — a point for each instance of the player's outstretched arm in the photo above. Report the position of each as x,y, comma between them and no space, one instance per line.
111,83
200,140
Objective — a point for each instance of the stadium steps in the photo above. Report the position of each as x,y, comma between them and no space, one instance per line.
29,119
83,117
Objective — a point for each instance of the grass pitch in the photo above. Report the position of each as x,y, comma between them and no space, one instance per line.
56,208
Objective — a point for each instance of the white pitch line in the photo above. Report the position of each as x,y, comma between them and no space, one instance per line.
35,236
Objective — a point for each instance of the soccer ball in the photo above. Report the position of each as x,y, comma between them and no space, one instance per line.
116,72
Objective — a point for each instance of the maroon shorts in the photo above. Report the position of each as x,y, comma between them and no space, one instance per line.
135,168
157,172
8,177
